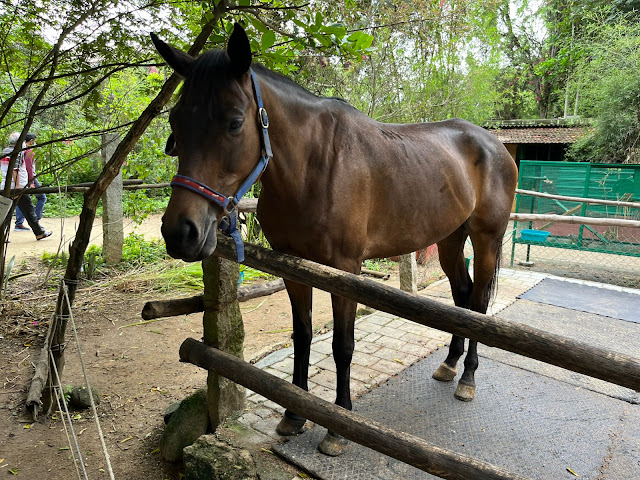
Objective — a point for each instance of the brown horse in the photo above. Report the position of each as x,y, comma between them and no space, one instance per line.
341,188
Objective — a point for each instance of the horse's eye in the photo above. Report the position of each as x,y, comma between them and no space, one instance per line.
236,125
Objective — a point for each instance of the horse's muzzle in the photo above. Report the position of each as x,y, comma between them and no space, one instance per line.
188,241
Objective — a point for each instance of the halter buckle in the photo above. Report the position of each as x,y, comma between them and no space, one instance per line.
230,205
264,118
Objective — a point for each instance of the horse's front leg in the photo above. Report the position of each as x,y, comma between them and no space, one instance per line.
300,297
344,314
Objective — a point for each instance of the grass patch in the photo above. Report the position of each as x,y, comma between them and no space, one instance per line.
379,265
145,267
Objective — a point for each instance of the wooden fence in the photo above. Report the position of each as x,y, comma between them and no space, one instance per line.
493,331
534,343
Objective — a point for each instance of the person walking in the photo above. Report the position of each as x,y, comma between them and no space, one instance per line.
19,179
41,198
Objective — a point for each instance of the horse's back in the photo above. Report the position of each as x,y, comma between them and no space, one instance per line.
427,179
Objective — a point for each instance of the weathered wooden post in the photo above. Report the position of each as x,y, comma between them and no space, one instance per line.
224,330
408,268
112,223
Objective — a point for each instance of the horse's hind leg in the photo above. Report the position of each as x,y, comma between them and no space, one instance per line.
300,297
451,255
486,258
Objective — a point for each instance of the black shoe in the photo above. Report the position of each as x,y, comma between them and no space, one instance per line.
44,234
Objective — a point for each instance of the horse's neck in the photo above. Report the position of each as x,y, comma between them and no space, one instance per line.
290,123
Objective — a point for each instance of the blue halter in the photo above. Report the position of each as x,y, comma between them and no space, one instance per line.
229,225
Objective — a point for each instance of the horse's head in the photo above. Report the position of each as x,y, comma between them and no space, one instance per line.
216,137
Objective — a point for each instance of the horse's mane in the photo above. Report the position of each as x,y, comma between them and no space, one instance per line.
212,70
281,79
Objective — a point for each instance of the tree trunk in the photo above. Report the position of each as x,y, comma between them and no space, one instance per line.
92,196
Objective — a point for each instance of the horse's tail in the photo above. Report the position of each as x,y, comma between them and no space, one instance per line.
493,284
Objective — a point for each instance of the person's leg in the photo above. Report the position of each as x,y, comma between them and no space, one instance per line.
41,199
19,219
24,202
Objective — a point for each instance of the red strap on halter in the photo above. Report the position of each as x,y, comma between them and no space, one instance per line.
200,188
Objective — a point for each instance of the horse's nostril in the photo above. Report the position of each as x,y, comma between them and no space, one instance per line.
181,234
189,230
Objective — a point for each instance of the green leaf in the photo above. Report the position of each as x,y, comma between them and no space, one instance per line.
361,40
258,25
216,39
364,42
336,29
268,39
324,40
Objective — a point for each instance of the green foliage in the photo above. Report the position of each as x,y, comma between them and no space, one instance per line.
65,205
145,263
138,204
609,85
7,274
379,265
426,61
137,251
54,260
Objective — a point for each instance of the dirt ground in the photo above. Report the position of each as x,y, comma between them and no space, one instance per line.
135,368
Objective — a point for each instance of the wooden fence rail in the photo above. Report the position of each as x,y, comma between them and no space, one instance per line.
576,220
401,446
563,352
185,306
592,201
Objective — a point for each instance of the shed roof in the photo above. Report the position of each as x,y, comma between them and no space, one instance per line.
564,135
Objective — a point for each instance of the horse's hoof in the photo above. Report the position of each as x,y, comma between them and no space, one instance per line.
465,392
445,373
290,425
333,444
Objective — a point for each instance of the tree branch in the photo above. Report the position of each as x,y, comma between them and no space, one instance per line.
88,90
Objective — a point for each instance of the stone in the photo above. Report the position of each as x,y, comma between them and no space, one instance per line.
209,458
189,421
171,409
79,397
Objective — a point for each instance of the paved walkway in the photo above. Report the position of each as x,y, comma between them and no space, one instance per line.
385,346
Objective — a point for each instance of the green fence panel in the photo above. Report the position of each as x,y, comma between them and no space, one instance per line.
598,181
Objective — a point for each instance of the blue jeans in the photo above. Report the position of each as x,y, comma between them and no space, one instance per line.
41,200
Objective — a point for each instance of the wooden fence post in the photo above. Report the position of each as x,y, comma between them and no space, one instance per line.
224,330
408,270
112,220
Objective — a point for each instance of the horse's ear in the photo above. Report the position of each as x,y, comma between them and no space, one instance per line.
177,59
239,50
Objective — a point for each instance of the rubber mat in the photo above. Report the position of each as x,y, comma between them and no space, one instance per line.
530,423
586,298
604,332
